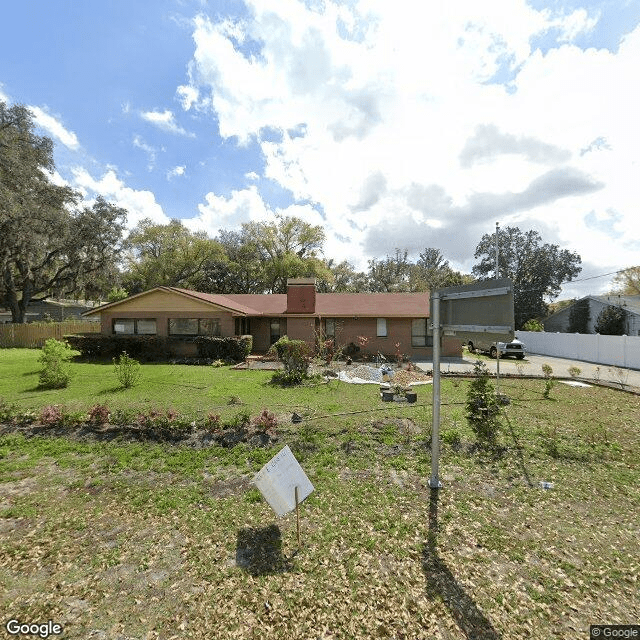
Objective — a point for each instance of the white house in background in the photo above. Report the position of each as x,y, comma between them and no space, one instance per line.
559,321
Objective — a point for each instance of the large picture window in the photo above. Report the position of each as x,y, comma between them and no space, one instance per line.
194,326
134,326
420,334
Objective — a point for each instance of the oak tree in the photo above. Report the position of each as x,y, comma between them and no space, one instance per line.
537,270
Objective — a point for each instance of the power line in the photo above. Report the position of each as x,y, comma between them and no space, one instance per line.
594,277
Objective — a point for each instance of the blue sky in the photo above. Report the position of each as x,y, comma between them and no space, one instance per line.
392,124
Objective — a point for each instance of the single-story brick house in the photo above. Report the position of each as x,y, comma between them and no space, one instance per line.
385,318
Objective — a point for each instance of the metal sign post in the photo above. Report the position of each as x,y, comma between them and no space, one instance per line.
481,309
434,483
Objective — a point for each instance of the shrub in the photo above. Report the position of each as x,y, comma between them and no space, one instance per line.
98,345
51,416
99,414
213,422
452,438
483,407
549,382
612,321
265,423
127,370
296,356
574,371
234,349
533,325
287,378
56,372
240,421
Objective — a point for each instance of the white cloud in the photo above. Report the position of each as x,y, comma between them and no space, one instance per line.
151,151
373,98
218,212
166,121
176,171
55,128
139,204
574,24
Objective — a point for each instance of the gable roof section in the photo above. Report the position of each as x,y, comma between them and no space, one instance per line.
630,303
219,301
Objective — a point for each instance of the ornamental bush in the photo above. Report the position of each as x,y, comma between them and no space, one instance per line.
483,407
56,372
295,355
235,348
127,370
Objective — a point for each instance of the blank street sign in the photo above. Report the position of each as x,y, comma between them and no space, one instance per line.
278,479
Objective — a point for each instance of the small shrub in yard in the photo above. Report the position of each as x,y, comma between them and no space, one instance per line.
240,420
213,422
549,382
483,407
296,356
265,423
99,414
127,370
56,372
51,416
452,438
574,371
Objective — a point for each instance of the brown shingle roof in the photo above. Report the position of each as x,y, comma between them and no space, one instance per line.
328,305
379,305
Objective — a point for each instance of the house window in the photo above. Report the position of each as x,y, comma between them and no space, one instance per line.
133,326
382,328
330,328
274,330
194,326
419,337
209,327
146,327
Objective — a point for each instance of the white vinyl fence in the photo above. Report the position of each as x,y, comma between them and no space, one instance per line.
619,351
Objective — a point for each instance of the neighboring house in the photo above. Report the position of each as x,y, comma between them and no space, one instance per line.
53,310
559,321
385,318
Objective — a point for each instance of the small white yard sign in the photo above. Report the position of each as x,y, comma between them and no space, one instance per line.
278,479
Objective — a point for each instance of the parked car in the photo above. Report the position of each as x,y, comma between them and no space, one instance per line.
507,349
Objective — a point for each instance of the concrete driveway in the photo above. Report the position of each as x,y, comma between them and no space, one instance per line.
532,366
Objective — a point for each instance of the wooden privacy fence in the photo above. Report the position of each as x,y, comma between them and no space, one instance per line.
34,335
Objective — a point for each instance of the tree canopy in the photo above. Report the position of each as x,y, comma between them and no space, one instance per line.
47,242
167,255
536,269
627,282
612,321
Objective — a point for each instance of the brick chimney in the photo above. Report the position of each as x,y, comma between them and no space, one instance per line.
301,295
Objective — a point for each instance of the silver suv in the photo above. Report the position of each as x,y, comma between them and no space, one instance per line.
513,348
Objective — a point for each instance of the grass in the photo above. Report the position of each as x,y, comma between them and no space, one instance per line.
147,540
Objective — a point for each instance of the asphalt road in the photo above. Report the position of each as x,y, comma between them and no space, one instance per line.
532,366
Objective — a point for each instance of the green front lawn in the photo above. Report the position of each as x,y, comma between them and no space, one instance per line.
135,539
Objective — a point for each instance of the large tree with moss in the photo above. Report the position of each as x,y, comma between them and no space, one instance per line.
48,243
